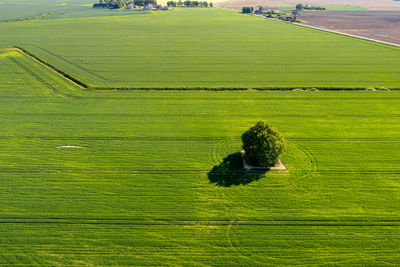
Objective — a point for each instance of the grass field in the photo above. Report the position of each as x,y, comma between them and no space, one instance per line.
203,48
23,9
20,11
139,190
346,8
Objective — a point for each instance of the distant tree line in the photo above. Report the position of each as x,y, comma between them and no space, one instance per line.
189,3
271,13
281,15
144,2
123,3
307,7
113,3
247,9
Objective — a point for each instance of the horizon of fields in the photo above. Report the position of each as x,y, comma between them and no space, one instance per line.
368,4
203,48
327,8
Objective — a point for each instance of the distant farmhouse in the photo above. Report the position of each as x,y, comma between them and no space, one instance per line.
272,13
149,7
266,11
130,4
152,7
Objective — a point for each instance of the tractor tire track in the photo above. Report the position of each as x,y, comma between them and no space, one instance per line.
42,81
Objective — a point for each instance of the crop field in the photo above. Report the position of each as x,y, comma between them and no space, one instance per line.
24,9
346,8
141,177
202,48
29,11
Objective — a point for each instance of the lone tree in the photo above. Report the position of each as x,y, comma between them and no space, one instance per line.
263,145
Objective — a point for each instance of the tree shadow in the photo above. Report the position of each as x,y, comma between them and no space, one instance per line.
231,172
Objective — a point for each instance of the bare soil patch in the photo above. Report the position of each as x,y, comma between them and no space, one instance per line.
379,25
279,166
247,166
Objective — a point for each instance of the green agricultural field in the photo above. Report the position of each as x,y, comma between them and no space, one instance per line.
346,8
23,9
203,48
29,11
136,177
15,11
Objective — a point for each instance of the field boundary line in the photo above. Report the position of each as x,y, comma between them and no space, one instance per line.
48,14
227,224
318,28
53,68
84,85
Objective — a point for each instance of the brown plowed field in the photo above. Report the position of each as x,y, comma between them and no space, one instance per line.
380,25
369,4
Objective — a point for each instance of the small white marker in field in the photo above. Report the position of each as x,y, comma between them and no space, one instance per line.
70,147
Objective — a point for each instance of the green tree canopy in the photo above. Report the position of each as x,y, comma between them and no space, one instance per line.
171,3
247,9
147,2
263,145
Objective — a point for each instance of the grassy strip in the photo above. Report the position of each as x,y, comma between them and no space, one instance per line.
92,87
163,222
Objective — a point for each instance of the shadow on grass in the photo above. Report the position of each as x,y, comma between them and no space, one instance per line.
230,172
